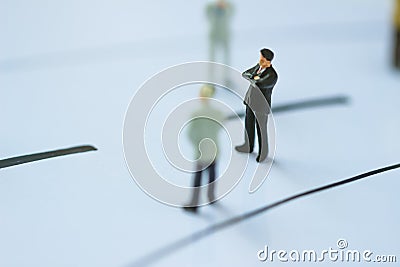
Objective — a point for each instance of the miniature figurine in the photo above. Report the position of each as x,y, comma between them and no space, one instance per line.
204,126
263,78
219,15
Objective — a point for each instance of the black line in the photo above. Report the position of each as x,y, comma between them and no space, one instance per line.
87,55
312,103
44,155
196,236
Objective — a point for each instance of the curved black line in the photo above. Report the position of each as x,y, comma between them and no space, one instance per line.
175,246
44,155
312,103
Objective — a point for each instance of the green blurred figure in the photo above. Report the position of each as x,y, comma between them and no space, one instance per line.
219,15
397,35
204,125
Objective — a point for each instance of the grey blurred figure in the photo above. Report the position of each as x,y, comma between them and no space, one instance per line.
219,14
204,125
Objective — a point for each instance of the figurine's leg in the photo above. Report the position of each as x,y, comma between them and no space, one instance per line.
262,134
212,49
248,145
211,57
196,188
211,179
249,124
227,61
192,206
226,51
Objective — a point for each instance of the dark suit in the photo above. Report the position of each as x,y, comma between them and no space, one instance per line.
258,103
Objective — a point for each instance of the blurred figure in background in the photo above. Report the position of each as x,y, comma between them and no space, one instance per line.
219,15
204,126
396,54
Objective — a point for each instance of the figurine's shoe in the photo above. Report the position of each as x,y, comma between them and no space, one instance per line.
262,157
190,209
212,199
244,149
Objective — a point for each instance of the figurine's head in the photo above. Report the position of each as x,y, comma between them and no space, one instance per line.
221,3
206,92
266,56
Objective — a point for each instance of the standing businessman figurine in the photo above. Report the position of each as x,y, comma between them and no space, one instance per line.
263,78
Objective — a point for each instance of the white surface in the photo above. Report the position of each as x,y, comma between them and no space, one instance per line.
68,70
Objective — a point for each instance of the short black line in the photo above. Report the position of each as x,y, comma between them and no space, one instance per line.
44,155
312,103
196,236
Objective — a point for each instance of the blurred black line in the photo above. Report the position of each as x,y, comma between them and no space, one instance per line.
68,58
44,155
312,103
85,55
305,104
183,242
